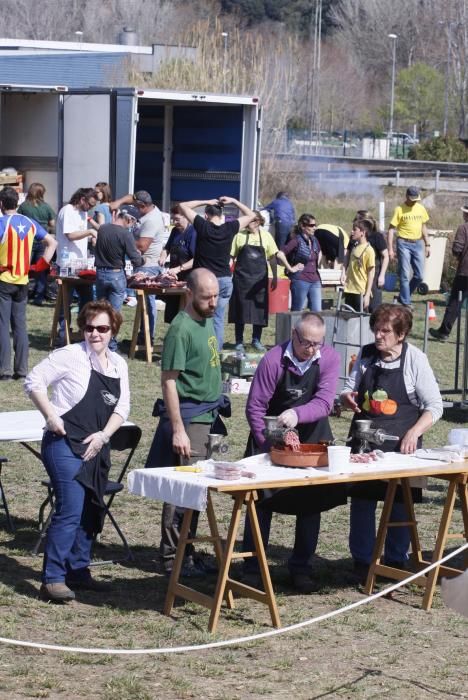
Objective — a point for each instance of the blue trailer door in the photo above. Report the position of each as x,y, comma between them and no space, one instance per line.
206,151
149,150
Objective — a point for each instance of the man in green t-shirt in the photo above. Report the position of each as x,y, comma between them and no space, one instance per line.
191,387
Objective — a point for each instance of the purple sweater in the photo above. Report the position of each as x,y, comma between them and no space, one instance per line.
268,375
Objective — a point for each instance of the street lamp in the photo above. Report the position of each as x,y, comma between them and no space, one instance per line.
79,36
225,39
394,38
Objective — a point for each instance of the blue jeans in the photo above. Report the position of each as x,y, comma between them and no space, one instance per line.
225,291
111,286
282,232
150,301
362,532
302,292
410,259
68,546
305,541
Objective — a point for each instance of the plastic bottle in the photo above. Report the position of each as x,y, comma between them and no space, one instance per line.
64,262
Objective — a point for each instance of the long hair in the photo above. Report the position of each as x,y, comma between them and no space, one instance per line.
36,193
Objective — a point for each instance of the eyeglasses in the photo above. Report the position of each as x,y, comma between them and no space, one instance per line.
100,329
308,344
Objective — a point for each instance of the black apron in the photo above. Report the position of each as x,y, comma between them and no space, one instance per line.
249,300
391,381
178,255
88,416
291,391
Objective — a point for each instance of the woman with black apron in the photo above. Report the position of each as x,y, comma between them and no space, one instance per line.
89,402
180,248
249,301
393,385
296,388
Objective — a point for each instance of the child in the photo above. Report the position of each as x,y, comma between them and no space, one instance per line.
359,274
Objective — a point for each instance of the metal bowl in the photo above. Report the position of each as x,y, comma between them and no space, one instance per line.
306,456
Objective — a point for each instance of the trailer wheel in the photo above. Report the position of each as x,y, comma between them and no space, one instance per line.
423,288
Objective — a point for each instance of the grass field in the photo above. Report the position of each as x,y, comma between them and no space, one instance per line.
388,649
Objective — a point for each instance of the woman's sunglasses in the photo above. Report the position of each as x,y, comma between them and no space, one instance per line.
100,329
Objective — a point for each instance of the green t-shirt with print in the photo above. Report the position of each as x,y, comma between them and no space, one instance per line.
191,348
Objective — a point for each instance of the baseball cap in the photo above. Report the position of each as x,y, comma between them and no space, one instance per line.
412,193
142,197
464,208
131,210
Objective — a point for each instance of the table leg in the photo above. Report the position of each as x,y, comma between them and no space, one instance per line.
226,561
416,553
262,560
58,308
140,297
381,534
177,566
66,311
214,532
440,542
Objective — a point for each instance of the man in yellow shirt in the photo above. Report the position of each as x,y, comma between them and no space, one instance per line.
412,246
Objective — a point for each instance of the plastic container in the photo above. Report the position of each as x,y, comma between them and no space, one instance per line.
458,436
338,458
278,299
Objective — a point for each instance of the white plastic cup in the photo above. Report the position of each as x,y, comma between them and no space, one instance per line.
338,458
458,436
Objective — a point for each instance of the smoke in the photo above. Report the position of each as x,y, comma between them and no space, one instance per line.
345,180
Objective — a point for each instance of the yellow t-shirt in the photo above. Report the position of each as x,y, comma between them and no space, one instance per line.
408,221
268,242
361,262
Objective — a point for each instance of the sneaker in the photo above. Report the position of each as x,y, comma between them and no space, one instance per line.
88,583
131,301
258,346
302,583
18,375
240,347
56,593
437,335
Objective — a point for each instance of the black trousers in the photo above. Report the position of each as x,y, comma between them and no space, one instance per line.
460,284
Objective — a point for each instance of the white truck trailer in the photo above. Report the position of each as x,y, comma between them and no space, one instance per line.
177,145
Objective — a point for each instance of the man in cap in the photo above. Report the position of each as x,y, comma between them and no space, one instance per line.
460,283
150,239
114,243
409,223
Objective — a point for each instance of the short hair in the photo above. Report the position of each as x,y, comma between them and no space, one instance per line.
36,192
105,188
101,306
364,224
259,217
176,210
310,316
281,194
193,281
86,192
214,210
399,317
8,198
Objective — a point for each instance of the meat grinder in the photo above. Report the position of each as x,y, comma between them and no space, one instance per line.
367,435
216,445
274,433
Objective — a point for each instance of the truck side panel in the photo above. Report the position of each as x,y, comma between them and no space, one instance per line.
86,141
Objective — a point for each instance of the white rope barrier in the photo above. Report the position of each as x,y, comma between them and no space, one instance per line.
237,640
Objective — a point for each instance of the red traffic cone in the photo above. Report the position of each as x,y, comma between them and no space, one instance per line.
431,314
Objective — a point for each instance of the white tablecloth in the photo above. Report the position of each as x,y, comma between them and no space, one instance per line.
22,426
190,490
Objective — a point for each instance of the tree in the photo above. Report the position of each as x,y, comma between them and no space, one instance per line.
420,97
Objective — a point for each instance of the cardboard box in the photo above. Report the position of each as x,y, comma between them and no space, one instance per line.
245,366
237,385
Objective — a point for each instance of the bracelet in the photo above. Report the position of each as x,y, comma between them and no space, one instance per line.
428,245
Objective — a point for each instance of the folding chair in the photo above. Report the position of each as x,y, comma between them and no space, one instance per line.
4,500
126,437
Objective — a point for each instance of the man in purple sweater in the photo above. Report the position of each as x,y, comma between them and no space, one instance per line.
295,381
